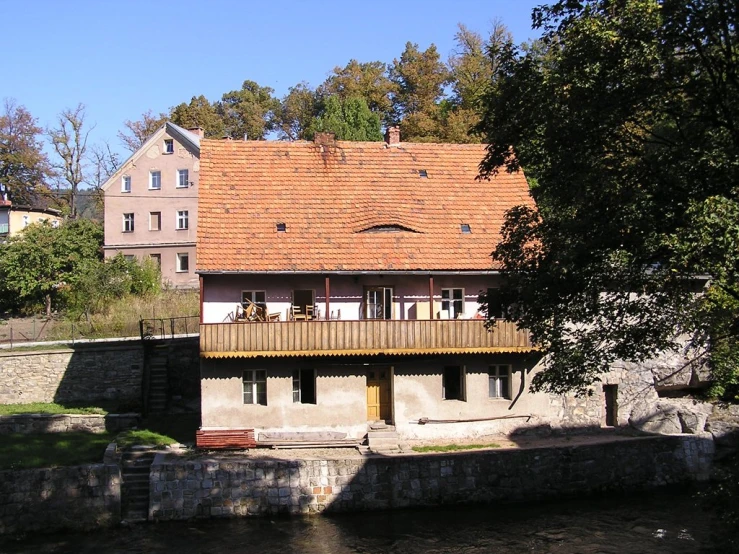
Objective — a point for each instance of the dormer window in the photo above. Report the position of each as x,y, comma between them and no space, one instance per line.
168,146
281,227
423,173
465,228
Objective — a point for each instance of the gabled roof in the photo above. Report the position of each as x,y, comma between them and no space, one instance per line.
351,206
188,139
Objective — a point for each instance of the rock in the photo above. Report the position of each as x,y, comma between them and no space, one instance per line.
724,433
660,419
692,422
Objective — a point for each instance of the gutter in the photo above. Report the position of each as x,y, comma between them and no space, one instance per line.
354,272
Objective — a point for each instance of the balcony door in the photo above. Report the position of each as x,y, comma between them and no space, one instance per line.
302,299
378,303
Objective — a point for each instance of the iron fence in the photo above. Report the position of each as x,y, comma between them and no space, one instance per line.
168,327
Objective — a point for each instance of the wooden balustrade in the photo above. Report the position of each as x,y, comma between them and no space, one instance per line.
373,336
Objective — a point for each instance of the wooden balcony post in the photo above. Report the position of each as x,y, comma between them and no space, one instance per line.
328,292
431,297
201,298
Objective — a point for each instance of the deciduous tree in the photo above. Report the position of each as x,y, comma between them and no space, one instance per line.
249,112
69,140
297,110
367,80
137,132
350,119
199,113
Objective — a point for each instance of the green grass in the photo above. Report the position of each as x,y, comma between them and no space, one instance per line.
21,451
142,437
454,447
48,408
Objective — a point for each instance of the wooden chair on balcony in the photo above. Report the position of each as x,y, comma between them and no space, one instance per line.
309,312
296,313
275,316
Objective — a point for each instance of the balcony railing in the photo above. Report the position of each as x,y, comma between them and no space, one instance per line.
319,338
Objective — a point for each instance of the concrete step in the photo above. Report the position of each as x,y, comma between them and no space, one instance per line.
383,444
382,435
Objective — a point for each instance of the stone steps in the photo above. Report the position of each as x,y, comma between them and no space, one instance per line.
382,438
135,465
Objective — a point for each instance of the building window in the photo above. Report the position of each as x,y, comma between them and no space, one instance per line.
452,303
183,262
465,228
182,220
255,386
126,183
453,383
157,259
258,297
183,178
304,386
128,223
168,146
499,380
155,221
155,180
378,303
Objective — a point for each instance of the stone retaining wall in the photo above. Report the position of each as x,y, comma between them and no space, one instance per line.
64,423
230,488
79,497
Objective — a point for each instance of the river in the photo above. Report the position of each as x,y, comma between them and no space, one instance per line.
667,521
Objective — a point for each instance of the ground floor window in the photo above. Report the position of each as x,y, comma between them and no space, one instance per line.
453,383
499,381
255,386
304,386
183,262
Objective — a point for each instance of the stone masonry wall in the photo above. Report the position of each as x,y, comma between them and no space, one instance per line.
232,488
85,373
64,423
79,497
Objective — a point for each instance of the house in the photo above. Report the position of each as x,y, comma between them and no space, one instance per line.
360,266
15,218
151,204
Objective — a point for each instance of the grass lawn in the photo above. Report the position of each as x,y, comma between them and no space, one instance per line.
454,447
19,451
142,437
47,408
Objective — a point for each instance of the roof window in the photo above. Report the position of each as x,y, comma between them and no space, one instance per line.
465,228
281,227
423,173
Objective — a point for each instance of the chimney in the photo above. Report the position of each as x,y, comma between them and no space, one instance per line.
197,131
324,139
392,136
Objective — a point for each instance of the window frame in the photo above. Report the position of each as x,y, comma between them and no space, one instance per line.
159,218
298,381
251,295
451,302
445,385
178,264
182,220
179,178
497,381
388,308
152,174
157,259
168,147
250,381
126,183
129,222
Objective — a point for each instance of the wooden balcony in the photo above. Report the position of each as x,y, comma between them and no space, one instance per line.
364,337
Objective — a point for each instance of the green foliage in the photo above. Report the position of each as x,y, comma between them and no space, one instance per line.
362,80
454,447
624,116
297,110
135,437
349,119
48,408
199,113
22,451
249,112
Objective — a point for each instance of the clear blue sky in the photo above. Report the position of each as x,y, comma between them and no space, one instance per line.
121,58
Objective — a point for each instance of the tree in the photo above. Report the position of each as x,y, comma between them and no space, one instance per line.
199,113
297,110
69,140
24,167
361,80
348,120
625,118
137,132
37,264
249,112
104,163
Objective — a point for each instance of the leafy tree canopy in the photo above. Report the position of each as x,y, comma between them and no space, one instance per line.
625,119
199,113
350,119
368,80
297,110
250,111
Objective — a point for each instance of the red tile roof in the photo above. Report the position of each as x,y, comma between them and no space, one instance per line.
331,197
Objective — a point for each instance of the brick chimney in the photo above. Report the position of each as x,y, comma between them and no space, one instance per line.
392,136
324,139
197,131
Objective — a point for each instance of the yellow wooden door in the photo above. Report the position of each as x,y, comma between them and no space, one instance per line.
378,394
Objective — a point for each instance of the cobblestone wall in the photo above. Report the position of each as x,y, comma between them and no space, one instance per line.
79,497
231,488
83,374
63,423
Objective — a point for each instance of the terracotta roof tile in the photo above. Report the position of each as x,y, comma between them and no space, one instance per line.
331,198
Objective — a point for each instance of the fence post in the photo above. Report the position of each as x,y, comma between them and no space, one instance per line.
171,326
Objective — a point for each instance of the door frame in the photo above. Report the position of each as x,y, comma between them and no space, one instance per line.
390,420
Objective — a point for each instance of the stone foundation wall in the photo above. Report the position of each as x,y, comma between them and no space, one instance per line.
231,488
63,423
79,497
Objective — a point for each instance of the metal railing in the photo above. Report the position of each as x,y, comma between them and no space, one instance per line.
168,327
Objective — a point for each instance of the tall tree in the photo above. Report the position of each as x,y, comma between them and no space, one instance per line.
350,119
69,139
137,132
199,113
297,110
250,111
367,80
24,167
103,163
626,119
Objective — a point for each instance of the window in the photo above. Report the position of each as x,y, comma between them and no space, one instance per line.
259,297
465,228
304,386
453,383
452,303
378,303
255,386
423,173
495,304
281,227
183,178
183,262
155,180
155,221
126,183
168,146
182,220
128,223
499,380
157,259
